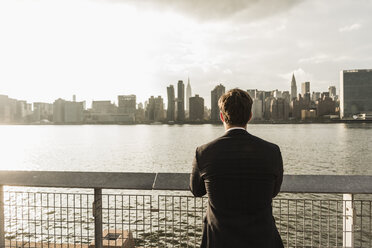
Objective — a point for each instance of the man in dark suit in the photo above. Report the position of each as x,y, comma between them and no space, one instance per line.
240,173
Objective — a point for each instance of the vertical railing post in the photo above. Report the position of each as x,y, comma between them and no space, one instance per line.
2,218
348,220
97,213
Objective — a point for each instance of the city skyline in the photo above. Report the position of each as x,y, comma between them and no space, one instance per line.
140,48
164,95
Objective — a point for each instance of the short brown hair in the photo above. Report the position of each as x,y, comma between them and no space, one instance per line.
236,106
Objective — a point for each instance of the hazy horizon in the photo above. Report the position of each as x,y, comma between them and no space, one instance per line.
99,49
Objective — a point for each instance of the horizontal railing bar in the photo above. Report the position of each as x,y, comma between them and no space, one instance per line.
72,179
352,184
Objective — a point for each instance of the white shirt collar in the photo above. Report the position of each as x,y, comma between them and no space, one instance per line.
235,128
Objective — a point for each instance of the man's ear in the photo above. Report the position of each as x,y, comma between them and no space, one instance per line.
221,117
250,116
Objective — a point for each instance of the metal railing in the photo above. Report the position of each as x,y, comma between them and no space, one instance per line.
93,209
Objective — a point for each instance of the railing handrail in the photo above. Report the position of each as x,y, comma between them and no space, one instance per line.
342,184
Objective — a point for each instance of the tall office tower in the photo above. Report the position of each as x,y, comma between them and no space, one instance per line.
127,104
218,91
332,91
355,92
188,94
171,110
305,88
196,108
293,87
155,109
180,101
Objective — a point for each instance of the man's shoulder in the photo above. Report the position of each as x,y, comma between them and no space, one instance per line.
264,143
248,139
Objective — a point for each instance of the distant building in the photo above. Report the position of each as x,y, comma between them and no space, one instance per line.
8,109
269,108
252,93
67,111
104,107
23,112
171,110
59,111
155,109
74,112
196,108
207,113
180,101
43,111
307,114
315,96
216,93
355,92
283,109
332,92
188,94
286,96
296,106
325,106
127,104
257,113
277,94
305,88
293,87
140,113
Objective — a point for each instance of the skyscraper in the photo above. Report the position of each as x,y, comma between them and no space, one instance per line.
293,87
171,103
218,91
305,88
188,94
355,92
155,109
180,101
196,108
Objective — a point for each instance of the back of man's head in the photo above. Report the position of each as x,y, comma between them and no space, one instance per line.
235,106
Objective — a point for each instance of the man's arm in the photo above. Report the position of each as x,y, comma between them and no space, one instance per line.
279,175
197,185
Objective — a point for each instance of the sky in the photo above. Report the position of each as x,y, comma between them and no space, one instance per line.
98,49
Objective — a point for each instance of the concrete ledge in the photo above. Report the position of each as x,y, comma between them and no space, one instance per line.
61,179
342,184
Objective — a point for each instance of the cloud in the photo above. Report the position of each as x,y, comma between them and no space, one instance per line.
324,58
321,58
349,28
219,9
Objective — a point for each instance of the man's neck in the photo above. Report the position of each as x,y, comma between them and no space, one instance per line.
229,127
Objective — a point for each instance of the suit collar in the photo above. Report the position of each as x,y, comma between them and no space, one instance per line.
236,128
233,132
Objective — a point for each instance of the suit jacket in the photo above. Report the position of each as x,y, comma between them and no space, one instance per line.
241,174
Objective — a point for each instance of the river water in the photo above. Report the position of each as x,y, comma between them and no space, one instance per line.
344,149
